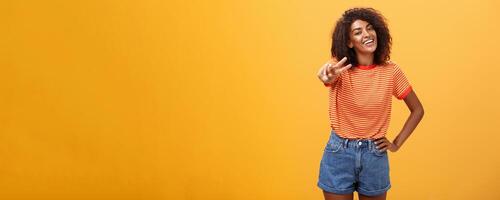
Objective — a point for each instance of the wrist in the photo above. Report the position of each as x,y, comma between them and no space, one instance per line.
396,146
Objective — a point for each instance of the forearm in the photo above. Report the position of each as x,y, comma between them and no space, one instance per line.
409,126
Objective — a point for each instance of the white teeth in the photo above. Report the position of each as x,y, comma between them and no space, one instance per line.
368,41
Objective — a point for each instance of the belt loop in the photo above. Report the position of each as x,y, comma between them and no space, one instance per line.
345,143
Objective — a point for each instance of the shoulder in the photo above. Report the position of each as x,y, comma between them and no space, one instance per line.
392,66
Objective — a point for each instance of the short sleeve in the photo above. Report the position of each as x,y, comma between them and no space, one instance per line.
401,85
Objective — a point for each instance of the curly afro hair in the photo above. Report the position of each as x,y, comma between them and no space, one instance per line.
340,36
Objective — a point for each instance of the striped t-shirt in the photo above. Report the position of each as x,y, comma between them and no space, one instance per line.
360,101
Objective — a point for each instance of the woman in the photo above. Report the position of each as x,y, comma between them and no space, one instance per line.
361,87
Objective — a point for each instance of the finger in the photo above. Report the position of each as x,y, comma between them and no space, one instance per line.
337,66
334,71
321,71
328,67
344,68
341,62
325,70
379,140
383,149
380,146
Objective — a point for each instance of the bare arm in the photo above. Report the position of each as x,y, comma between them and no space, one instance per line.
417,113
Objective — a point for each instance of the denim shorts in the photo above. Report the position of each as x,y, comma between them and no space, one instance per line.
350,165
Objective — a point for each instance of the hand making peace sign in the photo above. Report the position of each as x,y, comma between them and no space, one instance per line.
331,70
334,70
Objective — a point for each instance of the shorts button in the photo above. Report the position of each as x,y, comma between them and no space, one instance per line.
360,143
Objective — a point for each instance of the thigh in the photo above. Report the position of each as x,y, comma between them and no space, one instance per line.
337,173
374,177
333,196
378,197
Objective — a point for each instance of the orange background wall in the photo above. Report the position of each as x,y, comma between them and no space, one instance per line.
220,100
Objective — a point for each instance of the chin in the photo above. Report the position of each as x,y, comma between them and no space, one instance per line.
371,50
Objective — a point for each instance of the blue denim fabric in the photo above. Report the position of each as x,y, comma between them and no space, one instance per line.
350,165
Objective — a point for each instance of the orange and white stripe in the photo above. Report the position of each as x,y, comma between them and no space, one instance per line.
360,101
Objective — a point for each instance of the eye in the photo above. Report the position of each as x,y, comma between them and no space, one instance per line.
369,27
357,32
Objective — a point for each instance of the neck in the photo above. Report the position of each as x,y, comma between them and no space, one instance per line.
365,59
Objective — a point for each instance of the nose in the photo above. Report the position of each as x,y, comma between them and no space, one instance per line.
365,33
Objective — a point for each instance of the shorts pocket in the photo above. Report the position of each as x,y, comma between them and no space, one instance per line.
333,146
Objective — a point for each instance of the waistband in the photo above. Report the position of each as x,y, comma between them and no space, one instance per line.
347,142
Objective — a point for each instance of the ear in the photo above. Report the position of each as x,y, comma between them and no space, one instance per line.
350,45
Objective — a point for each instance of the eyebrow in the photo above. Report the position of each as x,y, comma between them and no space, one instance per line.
360,27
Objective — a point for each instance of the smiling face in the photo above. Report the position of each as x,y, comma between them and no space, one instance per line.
362,37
